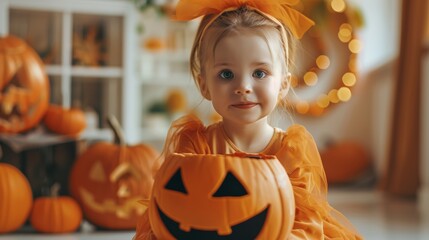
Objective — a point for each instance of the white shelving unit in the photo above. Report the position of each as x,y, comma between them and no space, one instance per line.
110,87
163,70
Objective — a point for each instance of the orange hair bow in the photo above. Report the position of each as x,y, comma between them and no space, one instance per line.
279,9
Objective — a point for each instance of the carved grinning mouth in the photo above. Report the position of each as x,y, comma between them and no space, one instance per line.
246,230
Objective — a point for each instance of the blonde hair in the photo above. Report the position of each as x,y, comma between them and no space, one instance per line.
211,31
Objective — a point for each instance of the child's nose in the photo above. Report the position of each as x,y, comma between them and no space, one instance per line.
244,87
242,91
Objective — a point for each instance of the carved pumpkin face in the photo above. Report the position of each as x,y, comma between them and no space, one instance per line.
221,197
24,86
108,180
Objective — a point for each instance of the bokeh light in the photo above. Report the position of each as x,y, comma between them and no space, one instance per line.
338,5
344,94
323,62
355,46
310,78
349,79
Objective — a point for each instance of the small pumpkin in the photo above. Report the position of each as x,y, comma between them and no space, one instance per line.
24,86
55,214
154,44
16,198
109,179
345,162
176,101
66,121
197,196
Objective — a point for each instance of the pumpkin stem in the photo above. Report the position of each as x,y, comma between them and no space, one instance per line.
55,189
117,130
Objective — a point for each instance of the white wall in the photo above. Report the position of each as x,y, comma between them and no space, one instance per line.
381,33
366,117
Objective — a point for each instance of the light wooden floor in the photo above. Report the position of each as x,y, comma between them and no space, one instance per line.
378,217
374,216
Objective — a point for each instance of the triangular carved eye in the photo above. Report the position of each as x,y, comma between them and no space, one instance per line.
176,183
96,173
230,187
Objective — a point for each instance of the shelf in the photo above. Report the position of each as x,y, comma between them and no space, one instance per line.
165,69
170,56
101,72
88,48
111,7
107,72
150,134
175,80
54,70
104,134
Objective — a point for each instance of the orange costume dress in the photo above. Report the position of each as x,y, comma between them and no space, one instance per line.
296,151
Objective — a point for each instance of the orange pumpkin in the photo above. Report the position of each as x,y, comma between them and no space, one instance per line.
16,198
154,44
197,196
24,86
56,214
109,179
65,121
345,162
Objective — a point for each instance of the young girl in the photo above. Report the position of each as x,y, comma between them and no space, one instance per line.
240,62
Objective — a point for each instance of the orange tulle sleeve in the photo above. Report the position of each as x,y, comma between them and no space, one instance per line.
186,135
314,217
143,229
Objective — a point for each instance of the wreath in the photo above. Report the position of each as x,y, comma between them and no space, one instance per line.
327,70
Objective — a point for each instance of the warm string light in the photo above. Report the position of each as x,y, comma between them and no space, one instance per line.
347,80
338,5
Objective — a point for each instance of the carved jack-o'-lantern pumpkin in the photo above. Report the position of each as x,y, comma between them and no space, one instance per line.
239,196
24,86
109,179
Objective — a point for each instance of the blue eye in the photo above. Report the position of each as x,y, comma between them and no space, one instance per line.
259,74
226,74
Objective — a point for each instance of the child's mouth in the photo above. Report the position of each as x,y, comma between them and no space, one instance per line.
245,105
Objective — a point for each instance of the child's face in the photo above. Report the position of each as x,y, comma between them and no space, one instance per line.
243,81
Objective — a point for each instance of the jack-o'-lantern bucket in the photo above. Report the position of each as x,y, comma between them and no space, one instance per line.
240,196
